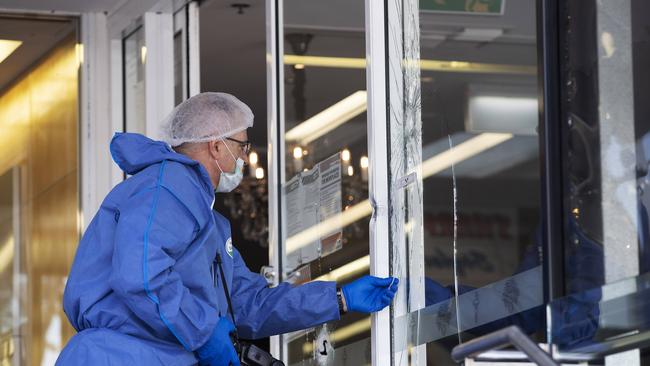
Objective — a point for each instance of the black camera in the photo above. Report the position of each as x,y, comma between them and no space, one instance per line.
251,355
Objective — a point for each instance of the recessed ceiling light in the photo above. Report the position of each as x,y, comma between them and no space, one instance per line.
425,65
7,47
329,119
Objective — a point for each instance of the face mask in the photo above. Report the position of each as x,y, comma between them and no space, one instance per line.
230,181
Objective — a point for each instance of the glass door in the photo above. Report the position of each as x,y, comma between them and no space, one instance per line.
134,59
186,62
465,180
149,81
325,211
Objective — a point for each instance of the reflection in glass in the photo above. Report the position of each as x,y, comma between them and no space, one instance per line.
178,67
605,124
9,271
39,208
180,55
602,320
135,56
481,244
325,196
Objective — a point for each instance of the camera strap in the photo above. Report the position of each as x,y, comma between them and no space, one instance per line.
239,347
225,289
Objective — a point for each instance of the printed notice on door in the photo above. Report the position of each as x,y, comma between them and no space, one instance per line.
313,205
330,203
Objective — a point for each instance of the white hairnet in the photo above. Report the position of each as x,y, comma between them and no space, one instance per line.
206,117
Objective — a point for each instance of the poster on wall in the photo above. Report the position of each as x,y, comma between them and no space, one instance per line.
313,199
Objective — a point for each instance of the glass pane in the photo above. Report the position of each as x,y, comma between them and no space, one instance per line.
180,54
607,151
178,67
602,320
39,200
475,267
325,198
8,269
135,56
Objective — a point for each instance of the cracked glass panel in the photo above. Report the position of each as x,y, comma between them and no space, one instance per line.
326,211
465,173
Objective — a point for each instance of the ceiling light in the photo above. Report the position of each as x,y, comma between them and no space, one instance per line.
461,152
425,65
336,115
329,119
253,158
347,271
517,115
297,152
7,47
345,155
340,62
364,162
259,173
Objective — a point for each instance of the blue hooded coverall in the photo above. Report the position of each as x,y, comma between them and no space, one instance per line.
144,288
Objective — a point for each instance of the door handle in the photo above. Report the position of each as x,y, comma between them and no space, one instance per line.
511,335
269,274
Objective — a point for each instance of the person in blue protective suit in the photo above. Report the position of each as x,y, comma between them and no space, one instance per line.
145,287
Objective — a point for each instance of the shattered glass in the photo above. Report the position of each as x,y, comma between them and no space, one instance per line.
465,233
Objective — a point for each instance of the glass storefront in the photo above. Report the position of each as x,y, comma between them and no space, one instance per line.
486,136
467,236
39,204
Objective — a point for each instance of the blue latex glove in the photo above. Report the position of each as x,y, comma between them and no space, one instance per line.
219,350
369,294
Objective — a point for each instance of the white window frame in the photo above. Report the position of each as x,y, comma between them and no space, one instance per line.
101,85
375,19
275,131
378,152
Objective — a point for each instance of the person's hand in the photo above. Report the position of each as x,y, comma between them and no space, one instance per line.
369,294
219,350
